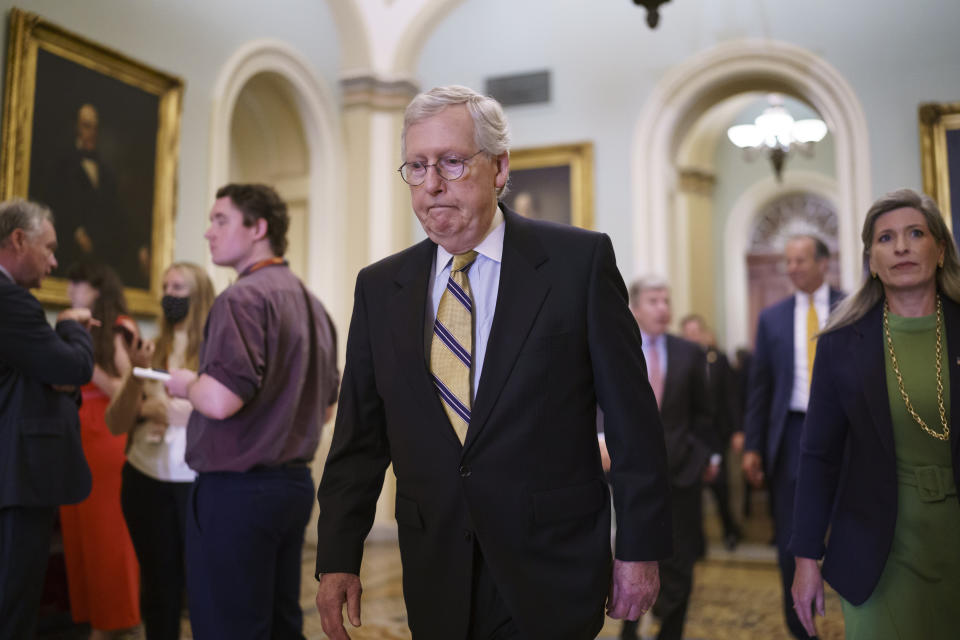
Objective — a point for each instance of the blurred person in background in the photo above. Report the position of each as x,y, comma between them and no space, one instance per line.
102,571
41,369
156,478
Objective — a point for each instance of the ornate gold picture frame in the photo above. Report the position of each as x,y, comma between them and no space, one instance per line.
940,157
553,183
95,135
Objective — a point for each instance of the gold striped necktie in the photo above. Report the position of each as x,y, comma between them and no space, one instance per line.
813,326
451,351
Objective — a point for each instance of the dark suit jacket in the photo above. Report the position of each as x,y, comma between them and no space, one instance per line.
849,417
686,412
724,397
771,379
41,460
527,485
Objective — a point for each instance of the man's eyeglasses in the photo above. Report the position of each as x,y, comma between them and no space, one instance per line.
448,167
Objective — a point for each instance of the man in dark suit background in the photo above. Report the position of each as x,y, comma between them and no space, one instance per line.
502,508
726,415
677,370
779,389
41,459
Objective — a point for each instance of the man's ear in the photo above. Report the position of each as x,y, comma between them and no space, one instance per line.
260,228
18,240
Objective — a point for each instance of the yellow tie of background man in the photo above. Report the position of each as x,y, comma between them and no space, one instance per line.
813,326
451,352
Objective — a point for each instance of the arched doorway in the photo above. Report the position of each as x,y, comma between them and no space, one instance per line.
687,93
267,145
785,216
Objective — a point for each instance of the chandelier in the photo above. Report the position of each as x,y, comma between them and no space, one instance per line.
777,134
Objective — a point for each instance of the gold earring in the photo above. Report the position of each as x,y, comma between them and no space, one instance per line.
873,274
940,262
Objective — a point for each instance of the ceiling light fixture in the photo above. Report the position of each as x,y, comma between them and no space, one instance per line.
776,132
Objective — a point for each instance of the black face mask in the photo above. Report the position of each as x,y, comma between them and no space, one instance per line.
174,308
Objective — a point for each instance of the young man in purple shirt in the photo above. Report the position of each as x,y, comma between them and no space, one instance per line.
266,380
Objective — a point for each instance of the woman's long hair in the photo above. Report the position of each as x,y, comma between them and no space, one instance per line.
109,304
871,291
201,299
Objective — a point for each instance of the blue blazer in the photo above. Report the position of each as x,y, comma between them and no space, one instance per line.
771,379
848,474
41,459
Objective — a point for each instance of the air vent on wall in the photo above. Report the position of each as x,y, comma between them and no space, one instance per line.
521,88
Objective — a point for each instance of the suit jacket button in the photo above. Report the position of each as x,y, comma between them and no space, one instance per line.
467,535
465,472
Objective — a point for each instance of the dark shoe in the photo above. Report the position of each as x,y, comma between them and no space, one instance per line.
629,630
731,540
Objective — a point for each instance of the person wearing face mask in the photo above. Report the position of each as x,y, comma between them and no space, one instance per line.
156,478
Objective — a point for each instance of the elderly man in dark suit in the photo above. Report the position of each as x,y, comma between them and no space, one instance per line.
41,460
678,375
475,363
779,390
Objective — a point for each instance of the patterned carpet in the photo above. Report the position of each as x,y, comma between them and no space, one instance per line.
736,594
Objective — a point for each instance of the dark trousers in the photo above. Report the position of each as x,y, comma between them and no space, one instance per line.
24,548
244,542
784,487
676,572
489,617
721,492
156,512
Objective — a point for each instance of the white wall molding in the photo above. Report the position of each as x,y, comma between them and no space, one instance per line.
732,68
736,240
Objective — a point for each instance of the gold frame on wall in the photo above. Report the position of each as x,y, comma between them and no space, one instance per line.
30,33
935,120
578,158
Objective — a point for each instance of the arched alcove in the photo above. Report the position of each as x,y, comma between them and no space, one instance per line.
268,145
317,114
689,91
737,235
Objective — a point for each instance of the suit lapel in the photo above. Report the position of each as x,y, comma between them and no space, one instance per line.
407,310
673,370
520,296
871,366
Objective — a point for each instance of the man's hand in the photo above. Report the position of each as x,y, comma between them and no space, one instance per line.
736,441
633,589
808,590
179,383
710,473
79,314
753,468
334,590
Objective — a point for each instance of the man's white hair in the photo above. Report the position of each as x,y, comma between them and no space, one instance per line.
490,129
21,214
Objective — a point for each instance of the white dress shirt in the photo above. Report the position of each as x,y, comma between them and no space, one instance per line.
800,395
484,277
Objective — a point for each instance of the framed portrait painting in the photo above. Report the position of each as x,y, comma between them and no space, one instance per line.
553,183
940,158
94,135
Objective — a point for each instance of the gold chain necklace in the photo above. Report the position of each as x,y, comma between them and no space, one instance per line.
903,392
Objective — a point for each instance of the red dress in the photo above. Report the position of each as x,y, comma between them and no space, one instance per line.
102,571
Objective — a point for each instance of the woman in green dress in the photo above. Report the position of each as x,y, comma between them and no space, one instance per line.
879,450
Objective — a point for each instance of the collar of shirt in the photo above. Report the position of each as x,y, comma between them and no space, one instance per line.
490,247
821,299
7,274
659,343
